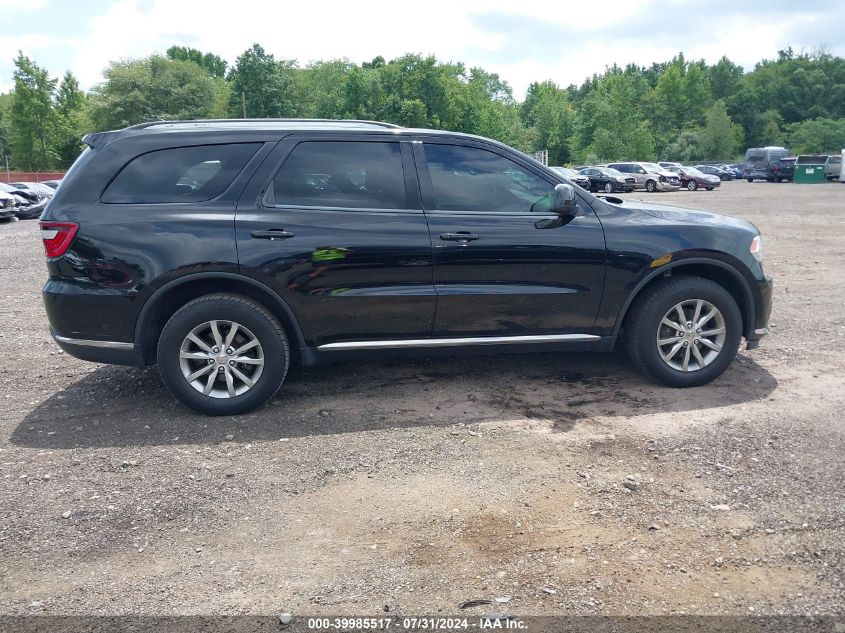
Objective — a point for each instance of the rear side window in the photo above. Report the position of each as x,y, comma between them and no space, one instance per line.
342,174
179,174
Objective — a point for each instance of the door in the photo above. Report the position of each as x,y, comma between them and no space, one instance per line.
334,225
504,263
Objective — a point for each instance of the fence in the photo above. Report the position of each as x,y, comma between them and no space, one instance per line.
30,176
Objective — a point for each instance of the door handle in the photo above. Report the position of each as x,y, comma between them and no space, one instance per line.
272,234
460,236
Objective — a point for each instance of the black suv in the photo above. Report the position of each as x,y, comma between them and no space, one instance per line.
225,250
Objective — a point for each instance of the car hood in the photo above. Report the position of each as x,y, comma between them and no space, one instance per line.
691,216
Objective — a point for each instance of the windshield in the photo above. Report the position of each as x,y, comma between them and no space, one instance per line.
693,170
652,167
609,171
563,171
8,188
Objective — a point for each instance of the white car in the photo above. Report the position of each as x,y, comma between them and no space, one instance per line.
649,176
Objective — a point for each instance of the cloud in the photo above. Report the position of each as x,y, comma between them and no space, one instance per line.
22,5
31,44
522,42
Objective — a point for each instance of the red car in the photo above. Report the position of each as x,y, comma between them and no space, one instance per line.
693,179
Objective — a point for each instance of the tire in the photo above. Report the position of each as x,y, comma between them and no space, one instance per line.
650,186
750,179
710,188
608,187
692,185
644,327
265,363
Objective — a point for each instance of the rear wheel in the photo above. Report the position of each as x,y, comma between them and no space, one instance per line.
692,185
683,331
223,354
750,180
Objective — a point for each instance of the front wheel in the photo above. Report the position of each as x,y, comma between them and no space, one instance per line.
223,354
608,187
650,186
750,179
683,331
692,185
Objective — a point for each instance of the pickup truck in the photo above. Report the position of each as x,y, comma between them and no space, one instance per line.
780,170
833,167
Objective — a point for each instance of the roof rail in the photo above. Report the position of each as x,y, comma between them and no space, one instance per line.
148,124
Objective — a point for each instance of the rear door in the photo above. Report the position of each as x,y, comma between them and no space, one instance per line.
334,225
504,264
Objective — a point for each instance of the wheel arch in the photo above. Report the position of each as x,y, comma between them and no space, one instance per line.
166,300
718,271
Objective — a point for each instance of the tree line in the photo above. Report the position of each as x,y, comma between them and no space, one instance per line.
681,109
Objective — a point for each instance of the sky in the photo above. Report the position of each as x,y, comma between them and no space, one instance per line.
521,41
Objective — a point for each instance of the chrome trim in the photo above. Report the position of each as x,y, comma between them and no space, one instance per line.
761,331
88,343
456,342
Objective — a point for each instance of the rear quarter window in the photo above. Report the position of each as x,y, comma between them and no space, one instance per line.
179,174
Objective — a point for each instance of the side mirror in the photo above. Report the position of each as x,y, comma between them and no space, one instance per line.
566,202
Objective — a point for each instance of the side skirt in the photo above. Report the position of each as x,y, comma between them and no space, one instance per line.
352,350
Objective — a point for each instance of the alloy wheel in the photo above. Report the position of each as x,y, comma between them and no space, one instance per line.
691,335
221,359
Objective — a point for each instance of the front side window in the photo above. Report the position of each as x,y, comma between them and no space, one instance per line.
179,174
474,179
342,174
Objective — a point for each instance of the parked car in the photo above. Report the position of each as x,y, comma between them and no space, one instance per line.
53,184
27,204
736,170
833,167
315,241
608,180
573,176
649,176
758,159
782,170
36,187
693,179
667,164
8,205
721,174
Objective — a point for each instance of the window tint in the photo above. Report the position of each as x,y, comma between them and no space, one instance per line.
180,174
354,175
473,179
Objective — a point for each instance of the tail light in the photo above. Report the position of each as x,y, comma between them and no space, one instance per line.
57,237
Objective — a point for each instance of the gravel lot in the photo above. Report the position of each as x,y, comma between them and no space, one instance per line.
408,487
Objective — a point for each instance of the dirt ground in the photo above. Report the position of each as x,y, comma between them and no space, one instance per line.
409,487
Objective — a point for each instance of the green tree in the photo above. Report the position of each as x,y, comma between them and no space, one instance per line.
686,148
817,136
216,66
771,131
266,85
720,137
725,77
549,117
32,120
152,88
5,126
69,105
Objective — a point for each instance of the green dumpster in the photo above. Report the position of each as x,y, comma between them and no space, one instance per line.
810,169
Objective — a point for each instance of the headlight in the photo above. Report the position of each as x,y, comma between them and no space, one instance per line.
756,248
